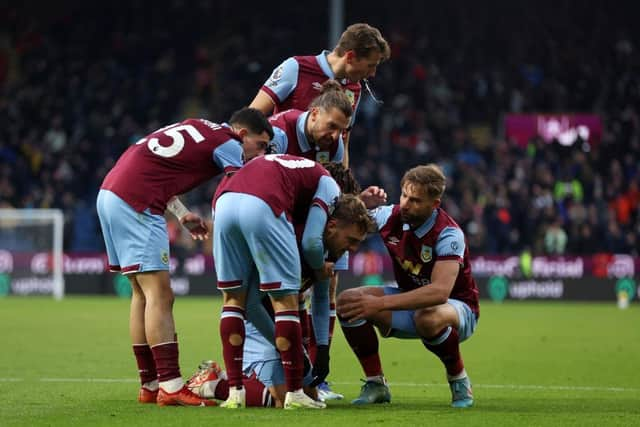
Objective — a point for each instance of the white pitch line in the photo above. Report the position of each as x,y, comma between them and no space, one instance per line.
515,386
393,384
88,380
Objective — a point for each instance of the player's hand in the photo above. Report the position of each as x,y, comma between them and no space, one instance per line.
196,226
360,306
321,365
373,197
326,271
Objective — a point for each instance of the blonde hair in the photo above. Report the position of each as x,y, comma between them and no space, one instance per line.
363,39
430,177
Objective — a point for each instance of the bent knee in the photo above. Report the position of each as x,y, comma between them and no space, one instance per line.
429,323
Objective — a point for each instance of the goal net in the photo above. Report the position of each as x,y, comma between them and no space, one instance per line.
31,257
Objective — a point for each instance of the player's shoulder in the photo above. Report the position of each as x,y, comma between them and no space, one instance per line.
445,220
285,115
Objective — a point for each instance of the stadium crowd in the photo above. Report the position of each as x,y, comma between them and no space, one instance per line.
79,85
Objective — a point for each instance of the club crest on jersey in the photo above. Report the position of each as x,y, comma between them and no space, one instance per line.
164,257
425,253
322,157
351,96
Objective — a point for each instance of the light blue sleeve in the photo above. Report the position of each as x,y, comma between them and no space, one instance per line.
381,215
339,152
284,79
320,311
280,141
450,242
228,154
312,245
327,191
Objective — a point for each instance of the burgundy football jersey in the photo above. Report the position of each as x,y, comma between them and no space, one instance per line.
286,183
413,257
309,82
169,162
287,120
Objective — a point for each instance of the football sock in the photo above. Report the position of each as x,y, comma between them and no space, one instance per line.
151,385
257,395
364,342
145,362
305,327
232,334
446,346
173,385
377,379
165,356
289,337
462,374
221,390
313,346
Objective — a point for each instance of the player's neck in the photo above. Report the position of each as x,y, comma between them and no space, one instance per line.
307,133
337,65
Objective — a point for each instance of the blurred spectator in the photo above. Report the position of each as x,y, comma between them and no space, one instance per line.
78,84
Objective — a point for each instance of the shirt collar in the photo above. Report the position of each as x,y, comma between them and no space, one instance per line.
421,231
300,133
324,64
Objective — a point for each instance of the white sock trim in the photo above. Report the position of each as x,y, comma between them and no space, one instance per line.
164,343
459,376
378,379
440,339
172,385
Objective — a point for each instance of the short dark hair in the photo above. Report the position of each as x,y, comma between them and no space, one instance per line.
253,120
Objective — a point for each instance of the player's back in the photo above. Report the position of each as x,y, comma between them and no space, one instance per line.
286,183
168,162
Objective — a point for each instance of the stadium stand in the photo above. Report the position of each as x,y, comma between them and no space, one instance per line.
79,85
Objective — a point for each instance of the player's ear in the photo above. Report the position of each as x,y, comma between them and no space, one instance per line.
331,224
351,56
242,133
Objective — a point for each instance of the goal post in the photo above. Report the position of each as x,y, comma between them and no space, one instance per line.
27,233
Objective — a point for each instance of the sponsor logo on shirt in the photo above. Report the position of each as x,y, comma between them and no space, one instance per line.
393,240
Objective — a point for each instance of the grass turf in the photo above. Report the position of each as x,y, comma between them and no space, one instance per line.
70,363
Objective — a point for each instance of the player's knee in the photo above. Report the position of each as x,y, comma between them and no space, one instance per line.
282,343
428,323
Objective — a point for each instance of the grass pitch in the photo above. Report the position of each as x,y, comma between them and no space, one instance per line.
566,364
